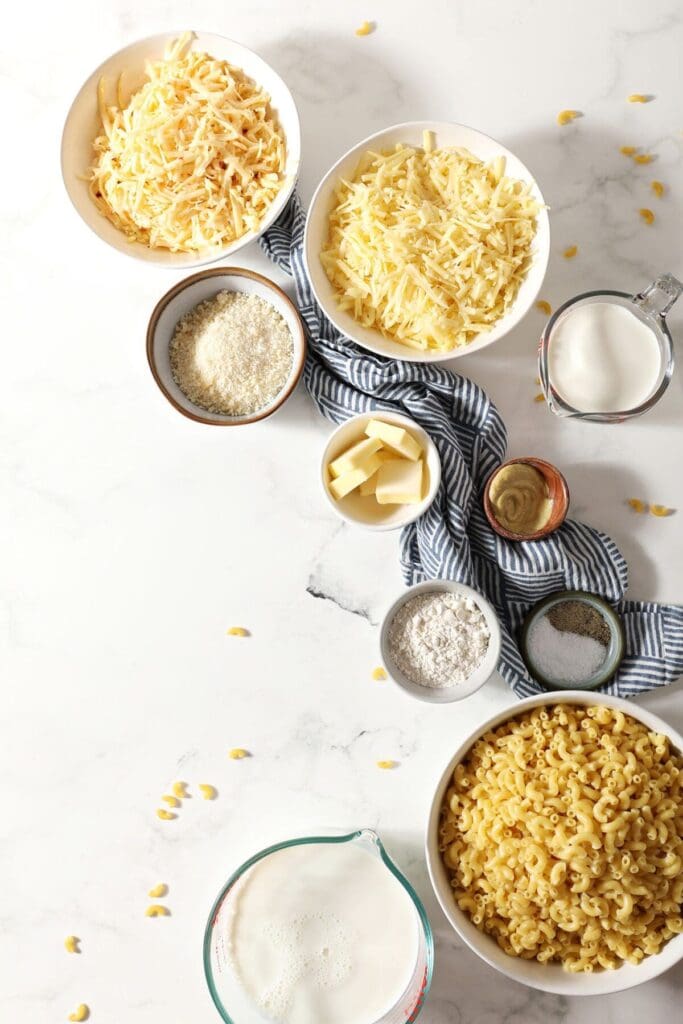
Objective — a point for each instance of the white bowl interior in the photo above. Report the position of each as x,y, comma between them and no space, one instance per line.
480,676
206,287
411,133
546,977
83,125
365,511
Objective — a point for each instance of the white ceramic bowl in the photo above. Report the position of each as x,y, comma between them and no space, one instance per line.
450,693
546,977
366,511
411,133
181,299
83,125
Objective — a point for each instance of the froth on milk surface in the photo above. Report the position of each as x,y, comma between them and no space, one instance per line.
603,358
318,933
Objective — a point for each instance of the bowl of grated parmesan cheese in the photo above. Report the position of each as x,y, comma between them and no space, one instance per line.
226,346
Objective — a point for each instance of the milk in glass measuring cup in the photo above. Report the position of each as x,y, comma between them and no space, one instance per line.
607,356
324,930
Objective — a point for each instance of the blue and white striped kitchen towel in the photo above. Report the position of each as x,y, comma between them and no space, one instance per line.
452,539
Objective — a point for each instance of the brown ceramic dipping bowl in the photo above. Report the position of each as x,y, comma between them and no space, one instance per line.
183,297
558,492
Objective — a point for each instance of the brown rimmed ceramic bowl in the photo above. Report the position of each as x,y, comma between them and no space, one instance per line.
558,492
183,297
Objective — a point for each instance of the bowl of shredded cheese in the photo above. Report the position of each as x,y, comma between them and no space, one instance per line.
180,150
426,241
555,843
226,346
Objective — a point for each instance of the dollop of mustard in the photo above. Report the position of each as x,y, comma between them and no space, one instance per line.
519,499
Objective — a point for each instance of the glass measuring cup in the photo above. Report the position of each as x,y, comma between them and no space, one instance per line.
650,307
229,996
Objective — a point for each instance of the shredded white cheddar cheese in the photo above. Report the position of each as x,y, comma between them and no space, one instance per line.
194,160
429,246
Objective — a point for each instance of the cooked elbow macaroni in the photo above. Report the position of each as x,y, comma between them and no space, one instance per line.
562,832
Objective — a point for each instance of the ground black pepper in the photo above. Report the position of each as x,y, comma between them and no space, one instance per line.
583,619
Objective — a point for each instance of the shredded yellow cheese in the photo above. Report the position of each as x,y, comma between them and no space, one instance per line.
429,247
194,160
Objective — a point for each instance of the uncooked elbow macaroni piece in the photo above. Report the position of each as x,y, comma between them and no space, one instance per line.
165,815
207,791
158,891
237,753
172,801
180,790
157,910
80,1013
71,943
562,832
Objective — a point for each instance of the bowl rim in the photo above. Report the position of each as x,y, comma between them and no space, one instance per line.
658,962
299,345
608,613
482,674
279,202
403,352
545,531
434,480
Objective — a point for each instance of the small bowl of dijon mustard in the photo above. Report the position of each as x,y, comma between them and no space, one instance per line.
526,499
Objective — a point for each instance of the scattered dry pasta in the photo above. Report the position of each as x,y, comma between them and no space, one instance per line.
237,753
658,188
194,160
540,397
180,790
638,97
570,252
158,891
429,245
637,505
386,765
628,150
562,832
157,910
172,801
81,1013
544,307
567,116
661,510
365,29
165,815
71,944
647,215
379,674
237,631
643,158
207,791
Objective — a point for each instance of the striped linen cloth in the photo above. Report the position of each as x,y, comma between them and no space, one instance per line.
453,540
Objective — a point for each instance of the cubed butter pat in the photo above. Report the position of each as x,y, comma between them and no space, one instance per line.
343,485
399,482
354,457
396,438
368,486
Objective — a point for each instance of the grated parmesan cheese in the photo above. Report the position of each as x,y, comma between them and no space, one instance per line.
429,246
232,354
194,160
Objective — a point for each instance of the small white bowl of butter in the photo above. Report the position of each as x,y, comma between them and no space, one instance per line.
380,470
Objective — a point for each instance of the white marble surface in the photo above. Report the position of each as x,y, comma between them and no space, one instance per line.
132,538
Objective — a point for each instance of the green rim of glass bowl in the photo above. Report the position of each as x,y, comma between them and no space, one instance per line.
361,833
615,652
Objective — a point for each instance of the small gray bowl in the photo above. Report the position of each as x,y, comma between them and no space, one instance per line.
481,675
615,650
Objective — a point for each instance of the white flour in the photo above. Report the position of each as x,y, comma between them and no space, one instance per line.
438,639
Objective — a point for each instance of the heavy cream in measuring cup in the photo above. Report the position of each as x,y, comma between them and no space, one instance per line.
603,358
322,933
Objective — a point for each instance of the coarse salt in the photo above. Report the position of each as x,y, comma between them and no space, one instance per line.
561,656
232,354
438,639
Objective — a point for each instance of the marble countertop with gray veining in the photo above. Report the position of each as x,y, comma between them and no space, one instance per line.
132,538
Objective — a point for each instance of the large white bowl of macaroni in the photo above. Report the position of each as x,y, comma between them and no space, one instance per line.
558,827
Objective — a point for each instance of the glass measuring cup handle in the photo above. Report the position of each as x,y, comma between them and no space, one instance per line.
657,299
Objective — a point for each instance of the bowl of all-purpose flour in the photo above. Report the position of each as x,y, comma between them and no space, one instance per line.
440,641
